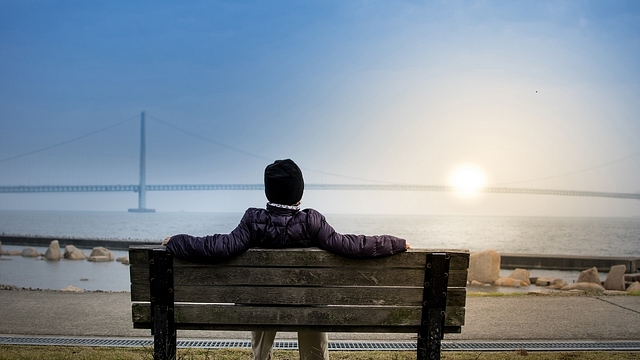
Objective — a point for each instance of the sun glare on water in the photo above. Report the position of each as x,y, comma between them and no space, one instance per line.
468,179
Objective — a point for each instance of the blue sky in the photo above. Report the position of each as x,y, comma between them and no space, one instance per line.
391,91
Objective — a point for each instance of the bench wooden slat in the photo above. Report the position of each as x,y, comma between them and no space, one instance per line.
338,328
278,276
388,296
248,317
314,257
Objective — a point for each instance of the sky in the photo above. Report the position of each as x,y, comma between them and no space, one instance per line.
536,94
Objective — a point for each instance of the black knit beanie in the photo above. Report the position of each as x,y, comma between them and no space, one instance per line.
283,182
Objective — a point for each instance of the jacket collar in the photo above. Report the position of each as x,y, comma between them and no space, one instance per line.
284,207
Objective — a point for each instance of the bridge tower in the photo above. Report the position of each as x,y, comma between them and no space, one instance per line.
142,187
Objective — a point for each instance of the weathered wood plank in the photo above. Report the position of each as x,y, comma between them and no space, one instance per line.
314,257
250,316
387,296
336,328
296,276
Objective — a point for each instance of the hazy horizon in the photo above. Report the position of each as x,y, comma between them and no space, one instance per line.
533,94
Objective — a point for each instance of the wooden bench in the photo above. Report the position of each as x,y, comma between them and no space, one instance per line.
419,291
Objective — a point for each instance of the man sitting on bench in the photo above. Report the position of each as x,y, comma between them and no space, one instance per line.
283,225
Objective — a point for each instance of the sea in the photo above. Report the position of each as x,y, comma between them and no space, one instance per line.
525,235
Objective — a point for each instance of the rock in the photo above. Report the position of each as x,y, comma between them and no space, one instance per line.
100,258
614,292
53,252
589,276
73,253
72,288
484,266
522,275
9,287
30,252
552,283
615,278
584,286
509,282
558,284
634,288
539,292
99,253
0,247
13,253
124,260
544,281
476,283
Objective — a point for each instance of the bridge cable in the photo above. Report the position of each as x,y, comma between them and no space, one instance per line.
68,141
572,172
229,147
206,139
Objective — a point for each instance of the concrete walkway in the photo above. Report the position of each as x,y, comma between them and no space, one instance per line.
531,317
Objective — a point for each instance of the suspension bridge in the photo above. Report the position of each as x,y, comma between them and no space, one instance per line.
142,187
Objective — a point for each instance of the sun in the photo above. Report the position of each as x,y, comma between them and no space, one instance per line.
468,179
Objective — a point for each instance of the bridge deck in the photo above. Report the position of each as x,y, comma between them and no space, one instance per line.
378,187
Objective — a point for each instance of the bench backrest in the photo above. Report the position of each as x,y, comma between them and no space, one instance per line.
299,289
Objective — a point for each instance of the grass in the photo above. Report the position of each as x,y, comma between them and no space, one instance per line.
10,352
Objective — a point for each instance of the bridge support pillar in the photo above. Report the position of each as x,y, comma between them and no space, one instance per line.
142,187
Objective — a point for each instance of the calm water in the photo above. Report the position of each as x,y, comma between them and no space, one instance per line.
569,236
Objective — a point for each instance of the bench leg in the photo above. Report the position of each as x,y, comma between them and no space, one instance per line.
164,336
430,340
434,300
164,330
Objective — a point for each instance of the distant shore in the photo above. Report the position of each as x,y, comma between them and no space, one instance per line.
79,242
508,260
7,287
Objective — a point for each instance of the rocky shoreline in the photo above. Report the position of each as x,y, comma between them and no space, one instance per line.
54,253
484,270
19,288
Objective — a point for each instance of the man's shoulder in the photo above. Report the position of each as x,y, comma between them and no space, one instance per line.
312,213
254,214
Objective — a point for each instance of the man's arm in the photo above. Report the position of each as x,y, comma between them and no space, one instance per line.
355,245
210,248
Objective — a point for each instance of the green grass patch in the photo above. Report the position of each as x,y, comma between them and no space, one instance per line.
10,352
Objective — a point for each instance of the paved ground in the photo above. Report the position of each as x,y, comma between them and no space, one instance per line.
584,318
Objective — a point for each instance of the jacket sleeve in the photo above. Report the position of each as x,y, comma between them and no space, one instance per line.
354,246
212,248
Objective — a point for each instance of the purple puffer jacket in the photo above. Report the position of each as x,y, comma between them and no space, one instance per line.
281,228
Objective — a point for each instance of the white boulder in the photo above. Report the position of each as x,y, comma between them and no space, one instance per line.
634,288
71,288
73,253
101,254
522,275
30,252
615,278
547,281
53,252
584,286
589,276
510,282
484,266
